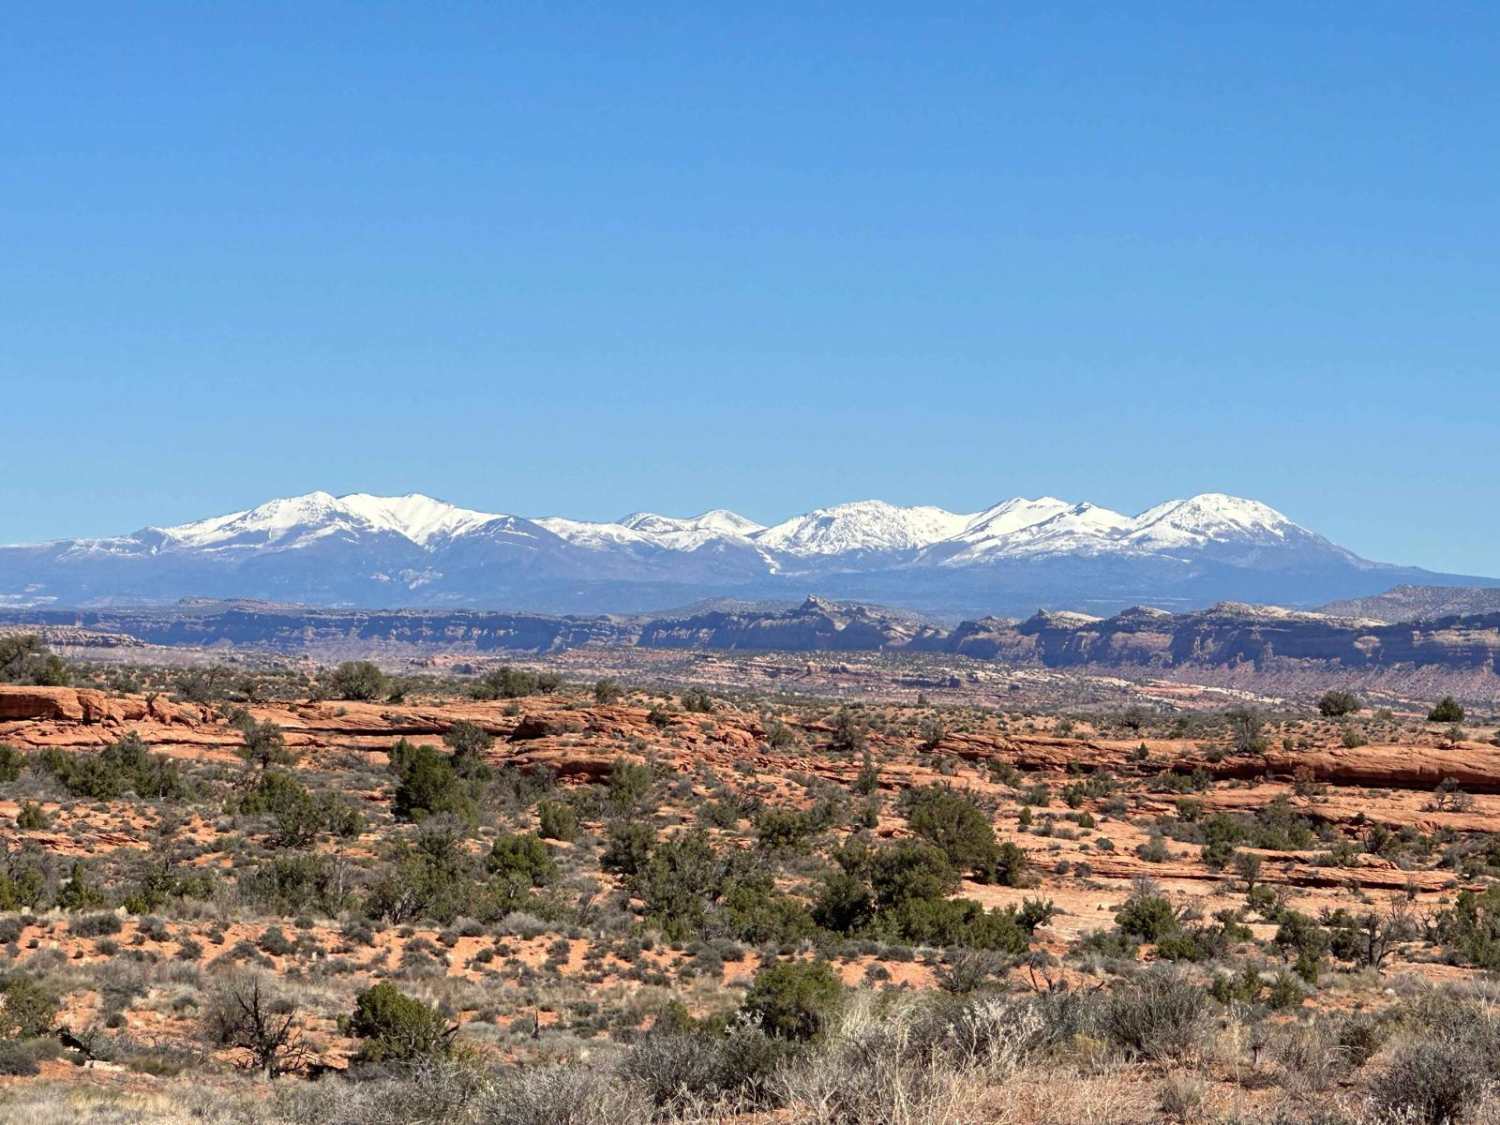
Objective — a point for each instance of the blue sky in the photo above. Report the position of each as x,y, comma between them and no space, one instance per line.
585,259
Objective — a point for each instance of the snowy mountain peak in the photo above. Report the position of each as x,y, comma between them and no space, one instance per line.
419,518
649,529
295,520
1011,515
1209,517
716,521
1077,528
864,525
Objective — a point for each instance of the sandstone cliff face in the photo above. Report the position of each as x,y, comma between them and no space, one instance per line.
814,626
1232,635
294,629
1227,636
86,707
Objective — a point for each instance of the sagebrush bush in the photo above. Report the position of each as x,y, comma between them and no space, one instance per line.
564,1095
95,925
1433,1082
21,1058
681,1068
1158,1015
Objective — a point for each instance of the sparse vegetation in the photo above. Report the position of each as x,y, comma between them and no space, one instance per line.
737,905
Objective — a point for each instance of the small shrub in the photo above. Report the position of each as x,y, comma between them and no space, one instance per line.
357,680
21,1058
556,821
397,1028
32,818
1336,704
628,847
794,999
1431,1082
1446,710
95,925
27,1009
523,859
1158,1016
564,1095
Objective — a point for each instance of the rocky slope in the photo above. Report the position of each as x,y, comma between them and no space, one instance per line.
373,551
1419,603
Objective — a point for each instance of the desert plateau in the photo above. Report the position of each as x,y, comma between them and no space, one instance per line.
329,893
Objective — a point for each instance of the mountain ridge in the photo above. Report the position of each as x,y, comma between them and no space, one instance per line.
365,550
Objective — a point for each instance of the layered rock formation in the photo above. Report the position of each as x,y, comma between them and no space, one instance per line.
1226,636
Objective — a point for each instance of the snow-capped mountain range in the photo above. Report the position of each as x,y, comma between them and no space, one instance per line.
361,549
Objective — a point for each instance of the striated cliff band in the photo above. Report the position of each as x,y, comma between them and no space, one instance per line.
1226,636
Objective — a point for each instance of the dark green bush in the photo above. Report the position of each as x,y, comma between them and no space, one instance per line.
506,682
749,908
31,817
357,680
521,857
1148,916
1336,704
125,766
629,784
427,784
25,660
301,815
27,1009
395,1027
955,824
12,761
1446,710
628,845
794,999
556,821
677,884
295,884
265,746
469,743
1471,929
433,878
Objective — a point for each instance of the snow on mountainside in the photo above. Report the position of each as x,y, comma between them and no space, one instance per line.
299,520
865,525
649,529
1017,528
595,536
1079,528
364,550
1212,519
1212,516
1011,515
689,534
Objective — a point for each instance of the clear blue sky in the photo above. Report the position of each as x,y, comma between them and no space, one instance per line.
583,259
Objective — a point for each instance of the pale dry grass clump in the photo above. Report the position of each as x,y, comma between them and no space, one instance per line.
908,1065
